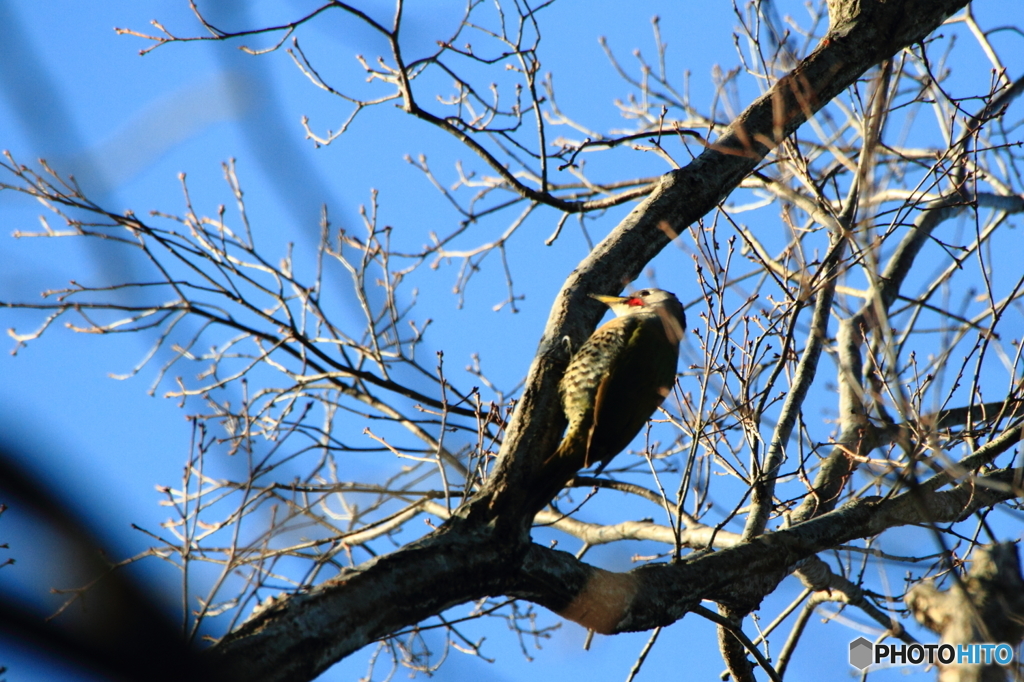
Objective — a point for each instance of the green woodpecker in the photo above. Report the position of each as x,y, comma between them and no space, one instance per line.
614,383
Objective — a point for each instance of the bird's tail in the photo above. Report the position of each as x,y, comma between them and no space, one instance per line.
568,458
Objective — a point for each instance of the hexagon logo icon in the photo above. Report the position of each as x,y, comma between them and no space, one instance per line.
860,653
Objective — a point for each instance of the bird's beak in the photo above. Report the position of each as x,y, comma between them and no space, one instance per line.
608,300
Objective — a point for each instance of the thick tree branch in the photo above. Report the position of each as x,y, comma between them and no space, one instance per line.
659,594
853,44
301,636
986,606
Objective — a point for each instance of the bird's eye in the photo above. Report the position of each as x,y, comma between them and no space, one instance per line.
644,293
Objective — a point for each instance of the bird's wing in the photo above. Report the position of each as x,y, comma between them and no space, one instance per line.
638,378
590,365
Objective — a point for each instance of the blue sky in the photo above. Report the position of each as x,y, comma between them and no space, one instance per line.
74,92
